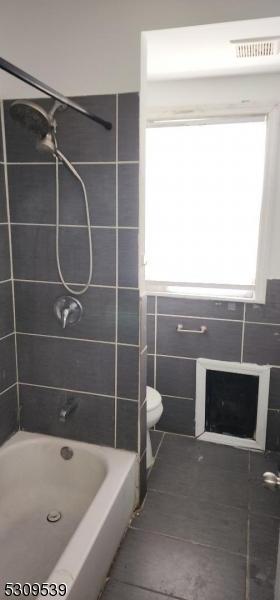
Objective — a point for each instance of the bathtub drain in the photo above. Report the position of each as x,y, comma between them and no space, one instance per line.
54,516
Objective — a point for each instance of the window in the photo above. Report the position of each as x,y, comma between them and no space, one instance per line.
204,189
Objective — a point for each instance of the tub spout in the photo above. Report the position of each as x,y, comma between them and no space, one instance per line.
67,408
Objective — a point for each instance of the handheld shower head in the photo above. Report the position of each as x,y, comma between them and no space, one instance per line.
47,144
32,116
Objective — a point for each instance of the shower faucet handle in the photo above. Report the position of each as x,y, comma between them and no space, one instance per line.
68,310
64,317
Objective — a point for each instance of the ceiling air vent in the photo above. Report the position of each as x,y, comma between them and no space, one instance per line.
254,48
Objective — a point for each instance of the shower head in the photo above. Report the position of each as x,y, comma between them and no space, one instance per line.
32,116
47,144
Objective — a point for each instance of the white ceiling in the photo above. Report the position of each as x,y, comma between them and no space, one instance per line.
205,51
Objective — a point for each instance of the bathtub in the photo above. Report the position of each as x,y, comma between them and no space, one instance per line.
62,517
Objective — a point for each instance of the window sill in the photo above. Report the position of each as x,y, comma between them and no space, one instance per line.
226,295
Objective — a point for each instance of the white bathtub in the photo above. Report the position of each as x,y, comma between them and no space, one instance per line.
95,492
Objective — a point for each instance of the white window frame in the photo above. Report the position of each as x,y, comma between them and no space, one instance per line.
270,185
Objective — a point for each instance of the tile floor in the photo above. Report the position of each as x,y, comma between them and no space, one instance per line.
208,529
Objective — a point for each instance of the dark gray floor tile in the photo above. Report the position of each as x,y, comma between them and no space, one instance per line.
7,362
263,499
262,579
262,344
100,182
156,437
115,590
9,413
176,377
35,311
274,388
34,254
151,304
3,203
200,308
260,462
127,425
183,450
128,257
5,269
178,416
21,143
128,126
151,334
223,338
70,364
270,311
179,569
263,537
200,482
128,195
273,430
6,312
128,372
32,193
150,370
128,316
197,521
92,421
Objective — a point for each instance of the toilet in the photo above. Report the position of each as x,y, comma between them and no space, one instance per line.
154,412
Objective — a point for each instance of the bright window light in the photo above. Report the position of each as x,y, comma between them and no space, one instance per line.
204,186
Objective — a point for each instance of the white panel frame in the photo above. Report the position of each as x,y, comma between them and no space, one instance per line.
262,371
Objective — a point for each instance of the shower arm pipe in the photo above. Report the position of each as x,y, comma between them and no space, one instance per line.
42,87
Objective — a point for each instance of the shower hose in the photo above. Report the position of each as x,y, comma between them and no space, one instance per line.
66,162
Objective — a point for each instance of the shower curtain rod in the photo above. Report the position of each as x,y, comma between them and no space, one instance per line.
39,85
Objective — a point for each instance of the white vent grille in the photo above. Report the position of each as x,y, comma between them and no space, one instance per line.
254,48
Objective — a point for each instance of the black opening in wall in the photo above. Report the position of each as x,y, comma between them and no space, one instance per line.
231,403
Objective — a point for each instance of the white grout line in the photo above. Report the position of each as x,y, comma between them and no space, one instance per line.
2,119
7,335
52,387
172,356
75,339
58,282
155,353
242,336
70,226
74,162
117,274
178,397
6,281
200,318
128,399
8,388
185,540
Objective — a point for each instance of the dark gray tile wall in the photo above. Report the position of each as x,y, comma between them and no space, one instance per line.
249,333
8,375
98,360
